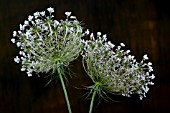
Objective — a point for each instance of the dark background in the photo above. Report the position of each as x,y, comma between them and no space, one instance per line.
143,25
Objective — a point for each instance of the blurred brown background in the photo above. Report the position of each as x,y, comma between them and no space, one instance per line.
143,25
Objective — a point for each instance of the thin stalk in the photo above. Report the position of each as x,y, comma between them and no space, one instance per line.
92,99
64,89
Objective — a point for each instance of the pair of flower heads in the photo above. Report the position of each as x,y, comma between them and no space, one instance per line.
49,46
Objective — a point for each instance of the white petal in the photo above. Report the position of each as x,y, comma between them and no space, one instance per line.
122,44
50,9
87,32
13,40
98,33
67,13
145,57
14,33
72,17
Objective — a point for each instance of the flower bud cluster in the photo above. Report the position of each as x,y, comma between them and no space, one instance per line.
46,43
114,69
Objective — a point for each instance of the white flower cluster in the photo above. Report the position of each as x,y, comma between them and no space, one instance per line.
47,43
114,70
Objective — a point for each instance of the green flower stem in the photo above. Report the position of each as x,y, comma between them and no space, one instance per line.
92,99
64,89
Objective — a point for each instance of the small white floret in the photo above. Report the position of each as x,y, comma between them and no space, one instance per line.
13,40
30,18
145,57
87,32
98,33
110,44
50,9
122,44
14,33
67,13
72,17
16,59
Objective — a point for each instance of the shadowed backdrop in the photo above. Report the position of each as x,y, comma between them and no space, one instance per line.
144,27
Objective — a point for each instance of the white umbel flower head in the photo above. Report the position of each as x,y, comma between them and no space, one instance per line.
47,43
114,70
